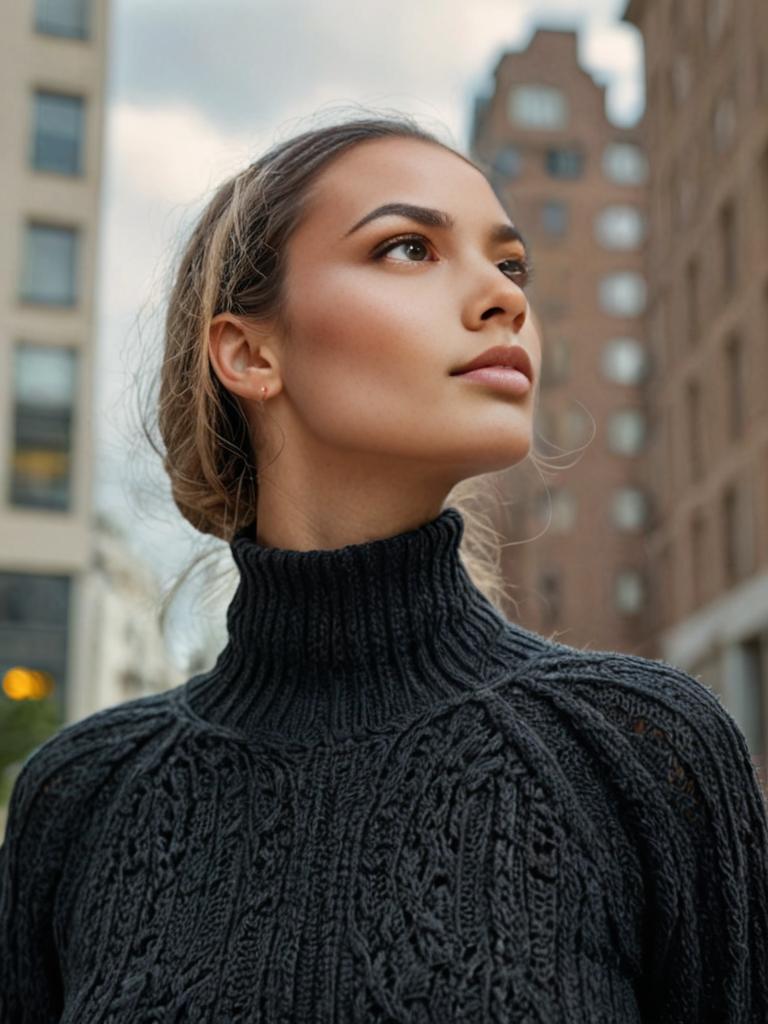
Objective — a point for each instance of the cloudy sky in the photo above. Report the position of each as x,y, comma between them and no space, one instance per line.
195,91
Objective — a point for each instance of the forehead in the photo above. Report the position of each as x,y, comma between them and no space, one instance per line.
404,170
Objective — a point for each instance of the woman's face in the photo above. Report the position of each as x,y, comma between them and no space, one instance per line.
380,314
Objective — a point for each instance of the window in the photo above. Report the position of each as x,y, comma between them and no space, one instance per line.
564,163
715,19
631,510
556,510
556,361
550,590
623,293
538,106
508,162
734,535
735,389
692,301
629,593
627,431
723,123
34,627
554,218
698,554
63,18
625,361
625,163
58,131
728,249
620,227
693,416
50,265
44,398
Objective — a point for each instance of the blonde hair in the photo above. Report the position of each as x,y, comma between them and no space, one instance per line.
233,261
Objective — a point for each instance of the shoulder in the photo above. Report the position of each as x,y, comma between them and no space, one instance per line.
61,775
660,719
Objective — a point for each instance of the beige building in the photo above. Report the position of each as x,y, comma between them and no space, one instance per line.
52,63
707,138
576,185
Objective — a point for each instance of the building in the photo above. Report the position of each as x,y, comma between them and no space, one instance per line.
127,655
706,128
576,185
52,62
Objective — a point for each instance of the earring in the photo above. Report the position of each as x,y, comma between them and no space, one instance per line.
264,391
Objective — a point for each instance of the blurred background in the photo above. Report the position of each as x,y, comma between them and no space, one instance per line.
629,140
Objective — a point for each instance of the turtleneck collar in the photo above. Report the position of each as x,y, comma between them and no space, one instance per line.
325,645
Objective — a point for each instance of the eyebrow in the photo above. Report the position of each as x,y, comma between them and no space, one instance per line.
435,219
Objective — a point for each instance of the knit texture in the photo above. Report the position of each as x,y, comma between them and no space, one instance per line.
386,803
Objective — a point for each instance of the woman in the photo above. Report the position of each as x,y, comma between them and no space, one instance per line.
385,802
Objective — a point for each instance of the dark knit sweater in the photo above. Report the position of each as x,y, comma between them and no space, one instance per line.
386,803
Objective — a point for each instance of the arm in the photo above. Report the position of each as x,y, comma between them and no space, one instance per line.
30,982
706,949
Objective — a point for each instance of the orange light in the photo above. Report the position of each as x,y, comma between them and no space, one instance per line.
20,683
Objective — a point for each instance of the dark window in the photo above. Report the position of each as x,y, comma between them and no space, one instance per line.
692,301
734,377
34,626
50,265
58,133
43,408
554,218
564,163
69,18
508,162
728,247
550,586
693,409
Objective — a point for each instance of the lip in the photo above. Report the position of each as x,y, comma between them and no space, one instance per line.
509,357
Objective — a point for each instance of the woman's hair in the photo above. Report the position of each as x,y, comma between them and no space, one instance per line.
234,261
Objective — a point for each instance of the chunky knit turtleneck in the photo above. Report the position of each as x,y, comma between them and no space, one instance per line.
333,644
384,804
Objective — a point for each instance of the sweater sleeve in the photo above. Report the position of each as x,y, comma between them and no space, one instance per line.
706,936
30,866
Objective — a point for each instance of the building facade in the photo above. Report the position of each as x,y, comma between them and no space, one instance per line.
52,63
576,185
706,128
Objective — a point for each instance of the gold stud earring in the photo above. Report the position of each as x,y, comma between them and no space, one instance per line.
264,391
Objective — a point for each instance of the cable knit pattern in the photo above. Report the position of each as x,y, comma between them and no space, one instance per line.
385,803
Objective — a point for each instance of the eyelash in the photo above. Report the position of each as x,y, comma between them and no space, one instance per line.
526,270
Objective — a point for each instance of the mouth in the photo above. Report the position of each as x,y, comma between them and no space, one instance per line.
508,360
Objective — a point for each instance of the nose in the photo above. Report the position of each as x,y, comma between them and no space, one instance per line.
496,297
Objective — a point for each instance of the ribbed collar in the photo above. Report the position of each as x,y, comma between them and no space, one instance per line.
325,645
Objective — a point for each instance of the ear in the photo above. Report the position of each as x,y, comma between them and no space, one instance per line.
244,357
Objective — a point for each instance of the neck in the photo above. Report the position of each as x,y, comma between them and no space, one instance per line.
331,644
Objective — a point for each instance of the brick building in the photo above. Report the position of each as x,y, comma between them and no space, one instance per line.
706,134
575,183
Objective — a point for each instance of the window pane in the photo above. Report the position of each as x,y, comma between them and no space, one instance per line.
630,591
508,162
44,398
623,293
554,218
50,259
626,431
625,361
620,227
63,17
34,626
564,163
58,133
630,508
538,106
625,163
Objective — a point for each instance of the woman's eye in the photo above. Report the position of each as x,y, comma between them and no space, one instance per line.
409,245
520,271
